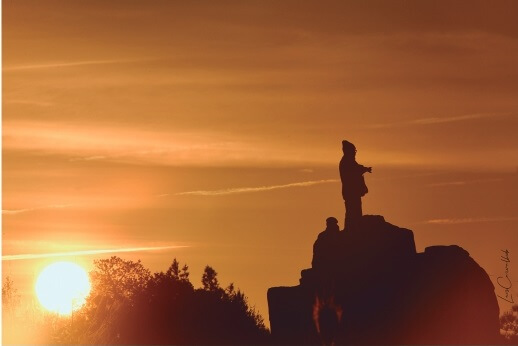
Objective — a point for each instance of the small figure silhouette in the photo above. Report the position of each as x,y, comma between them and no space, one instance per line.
326,250
353,185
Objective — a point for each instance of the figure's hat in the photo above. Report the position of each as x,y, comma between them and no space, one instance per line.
348,145
331,221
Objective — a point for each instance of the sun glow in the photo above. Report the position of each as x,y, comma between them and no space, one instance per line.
62,287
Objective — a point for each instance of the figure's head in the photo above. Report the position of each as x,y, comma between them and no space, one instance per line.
348,148
332,224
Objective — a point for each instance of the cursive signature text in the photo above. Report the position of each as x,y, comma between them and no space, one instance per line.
505,281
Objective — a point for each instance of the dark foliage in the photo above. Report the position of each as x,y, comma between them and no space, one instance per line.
10,295
128,305
509,325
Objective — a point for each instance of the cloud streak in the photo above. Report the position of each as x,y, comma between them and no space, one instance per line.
461,182
442,120
454,221
69,64
28,102
253,189
88,158
20,211
88,252
132,145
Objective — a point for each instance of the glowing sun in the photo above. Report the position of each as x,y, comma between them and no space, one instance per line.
62,287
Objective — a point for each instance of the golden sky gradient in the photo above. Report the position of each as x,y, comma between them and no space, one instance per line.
216,126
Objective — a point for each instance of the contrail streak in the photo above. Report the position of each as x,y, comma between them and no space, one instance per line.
468,220
87,252
442,120
70,64
253,189
456,183
19,211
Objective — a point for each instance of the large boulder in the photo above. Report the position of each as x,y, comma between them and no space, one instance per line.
383,292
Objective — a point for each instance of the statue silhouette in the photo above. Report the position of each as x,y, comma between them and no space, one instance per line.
353,185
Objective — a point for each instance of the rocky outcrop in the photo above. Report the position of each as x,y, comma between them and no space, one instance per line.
380,291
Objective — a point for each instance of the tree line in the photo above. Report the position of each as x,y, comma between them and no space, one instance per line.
130,305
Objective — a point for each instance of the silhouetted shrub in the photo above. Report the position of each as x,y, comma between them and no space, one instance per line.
509,325
128,305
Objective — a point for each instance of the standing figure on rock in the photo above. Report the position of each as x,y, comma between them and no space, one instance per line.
353,185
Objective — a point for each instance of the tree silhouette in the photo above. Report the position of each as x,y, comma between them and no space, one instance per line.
209,280
174,270
509,324
10,301
128,305
184,274
116,278
10,295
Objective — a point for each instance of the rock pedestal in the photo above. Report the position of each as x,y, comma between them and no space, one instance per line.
380,291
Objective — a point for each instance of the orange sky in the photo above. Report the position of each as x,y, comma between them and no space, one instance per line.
115,111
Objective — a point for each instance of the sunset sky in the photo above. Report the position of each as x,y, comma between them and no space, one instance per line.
211,131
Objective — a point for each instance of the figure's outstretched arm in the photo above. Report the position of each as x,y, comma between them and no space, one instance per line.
366,169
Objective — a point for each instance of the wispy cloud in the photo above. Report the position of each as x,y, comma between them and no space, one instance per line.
442,120
254,189
28,102
134,145
25,210
67,64
454,221
88,158
465,182
88,252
